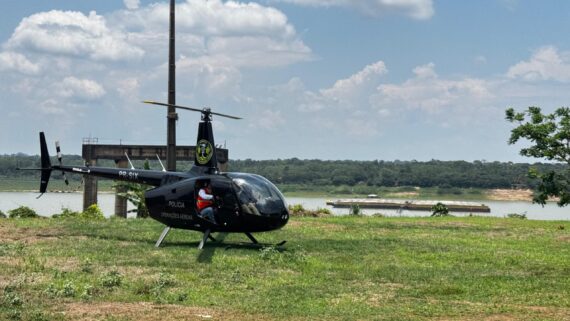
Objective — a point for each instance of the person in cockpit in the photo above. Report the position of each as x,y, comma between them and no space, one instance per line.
205,202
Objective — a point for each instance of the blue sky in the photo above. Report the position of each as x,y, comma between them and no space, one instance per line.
326,79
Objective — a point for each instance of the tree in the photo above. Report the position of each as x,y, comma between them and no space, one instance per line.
134,193
550,139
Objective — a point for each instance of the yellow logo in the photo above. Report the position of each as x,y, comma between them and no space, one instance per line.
204,151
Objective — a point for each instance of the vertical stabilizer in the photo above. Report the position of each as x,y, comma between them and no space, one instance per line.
46,164
205,155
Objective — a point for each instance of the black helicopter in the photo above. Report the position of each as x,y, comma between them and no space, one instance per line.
242,203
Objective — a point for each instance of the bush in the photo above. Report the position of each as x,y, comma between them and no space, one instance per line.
521,216
66,213
355,210
323,211
93,212
22,212
111,279
299,210
2,215
439,210
296,210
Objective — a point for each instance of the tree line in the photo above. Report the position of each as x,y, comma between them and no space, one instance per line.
434,173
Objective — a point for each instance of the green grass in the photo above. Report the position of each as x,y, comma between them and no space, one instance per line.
337,268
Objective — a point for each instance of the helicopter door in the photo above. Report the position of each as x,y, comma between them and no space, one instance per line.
203,201
226,202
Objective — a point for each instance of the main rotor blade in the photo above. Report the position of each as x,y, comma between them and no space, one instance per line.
190,108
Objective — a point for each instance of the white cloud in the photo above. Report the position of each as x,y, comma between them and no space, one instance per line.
347,93
361,127
72,87
426,91
546,63
74,34
480,59
132,4
223,33
345,90
269,119
51,106
128,87
17,62
209,79
417,9
76,53
511,5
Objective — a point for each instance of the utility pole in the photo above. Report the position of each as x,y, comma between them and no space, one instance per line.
172,115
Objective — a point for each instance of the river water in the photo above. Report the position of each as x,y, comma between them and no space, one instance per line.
52,203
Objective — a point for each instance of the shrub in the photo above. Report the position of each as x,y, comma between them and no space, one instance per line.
521,216
22,212
299,210
439,210
355,210
68,290
93,212
323,211
2,215
111,279
296,210
165,280
66,213
87,266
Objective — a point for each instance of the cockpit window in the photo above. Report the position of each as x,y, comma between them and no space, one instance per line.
257,195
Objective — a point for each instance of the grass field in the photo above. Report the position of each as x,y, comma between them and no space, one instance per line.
338,268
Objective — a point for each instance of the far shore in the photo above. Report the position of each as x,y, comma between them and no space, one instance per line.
489,194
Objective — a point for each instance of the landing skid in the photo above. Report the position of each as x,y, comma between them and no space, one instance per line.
207,235
254,243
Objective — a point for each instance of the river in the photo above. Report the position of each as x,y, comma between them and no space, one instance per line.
51,203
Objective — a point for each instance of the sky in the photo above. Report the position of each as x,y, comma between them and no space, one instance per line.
313,79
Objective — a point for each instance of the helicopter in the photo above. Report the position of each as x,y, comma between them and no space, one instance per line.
241,202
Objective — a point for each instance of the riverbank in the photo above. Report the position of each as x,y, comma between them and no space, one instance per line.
330,192
335,268
433,193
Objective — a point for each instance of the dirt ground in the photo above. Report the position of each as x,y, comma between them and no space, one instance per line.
510,194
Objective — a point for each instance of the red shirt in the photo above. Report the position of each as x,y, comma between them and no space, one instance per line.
204,201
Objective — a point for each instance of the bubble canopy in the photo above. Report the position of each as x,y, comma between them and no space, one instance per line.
257,195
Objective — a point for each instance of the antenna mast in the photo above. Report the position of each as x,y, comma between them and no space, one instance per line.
172,116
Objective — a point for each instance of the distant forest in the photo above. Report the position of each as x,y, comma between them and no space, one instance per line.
434,173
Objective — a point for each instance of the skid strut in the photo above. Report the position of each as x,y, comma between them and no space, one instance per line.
253,240
204,239
162,236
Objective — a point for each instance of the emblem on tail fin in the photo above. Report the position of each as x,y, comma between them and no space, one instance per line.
204,151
